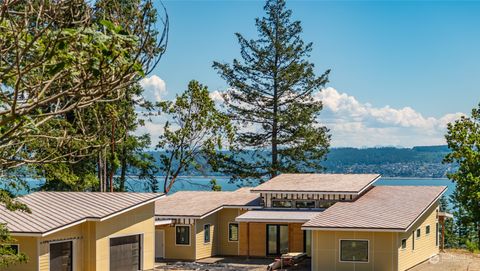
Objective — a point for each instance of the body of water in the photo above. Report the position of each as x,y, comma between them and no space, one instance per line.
195,183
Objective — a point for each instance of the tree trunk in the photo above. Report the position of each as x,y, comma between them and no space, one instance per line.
112,161
123,172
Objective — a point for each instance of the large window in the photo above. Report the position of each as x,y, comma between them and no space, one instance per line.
282,203
182,236
206,233
233,232
61,256
305,204
125,253
354,251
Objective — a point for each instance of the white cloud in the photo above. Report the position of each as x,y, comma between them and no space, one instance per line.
353,123
154,88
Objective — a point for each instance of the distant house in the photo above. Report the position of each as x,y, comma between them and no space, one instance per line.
84,231
342,221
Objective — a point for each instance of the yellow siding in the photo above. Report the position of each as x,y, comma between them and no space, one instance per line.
28,245
425,246
225,247
326,253
204,250
75,234
138,221
91,241
178,252
253,239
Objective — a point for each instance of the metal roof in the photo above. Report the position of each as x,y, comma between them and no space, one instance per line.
197,204
318,183
53,211
277,216
383,208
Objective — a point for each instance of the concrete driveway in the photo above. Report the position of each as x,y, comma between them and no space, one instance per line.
451,261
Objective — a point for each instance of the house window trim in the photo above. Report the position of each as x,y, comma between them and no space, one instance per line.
74,250
401,244
238,232
142,257
189,235
353,262
429,230
209,233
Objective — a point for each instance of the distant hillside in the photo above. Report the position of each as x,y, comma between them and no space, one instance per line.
421,161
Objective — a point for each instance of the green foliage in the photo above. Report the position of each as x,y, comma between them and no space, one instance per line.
196,133
7,255
215,186
272,100
472,246
463,138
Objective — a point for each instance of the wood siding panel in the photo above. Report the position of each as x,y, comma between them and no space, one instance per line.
425,246
178,252
326,251
204,250
28,245
226,247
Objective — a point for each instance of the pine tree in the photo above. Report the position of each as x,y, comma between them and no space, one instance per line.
271,98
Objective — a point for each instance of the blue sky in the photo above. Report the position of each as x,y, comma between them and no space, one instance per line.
407,66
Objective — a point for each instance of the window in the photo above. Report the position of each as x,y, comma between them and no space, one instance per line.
436,234
13,248
325,204
182,236
304,204
233,232
206,233
125,253
282,203
404,243
61,256
418,233
354,251
427,229
413,240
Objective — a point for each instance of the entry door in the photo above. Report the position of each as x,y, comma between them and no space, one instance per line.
125,253
159,244
61,256
277,239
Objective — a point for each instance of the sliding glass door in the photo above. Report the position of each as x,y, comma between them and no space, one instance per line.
277,239
61,256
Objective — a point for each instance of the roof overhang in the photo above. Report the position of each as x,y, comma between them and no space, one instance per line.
80,221
202,216
315,192
273,216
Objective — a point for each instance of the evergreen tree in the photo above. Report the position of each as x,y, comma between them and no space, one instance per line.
271,99
463,138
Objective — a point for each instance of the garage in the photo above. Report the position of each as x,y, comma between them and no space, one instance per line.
125,253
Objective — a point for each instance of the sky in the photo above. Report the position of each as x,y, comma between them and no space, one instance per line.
400,71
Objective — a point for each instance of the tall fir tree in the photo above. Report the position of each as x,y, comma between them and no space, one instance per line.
271,99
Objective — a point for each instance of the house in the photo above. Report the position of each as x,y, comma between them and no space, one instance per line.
192,225
343,221
84,231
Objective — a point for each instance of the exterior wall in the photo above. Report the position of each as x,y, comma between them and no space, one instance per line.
425,246
225,247
91,241
178,252
326,252
138,221
253,240
268,198
204,250
27,245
